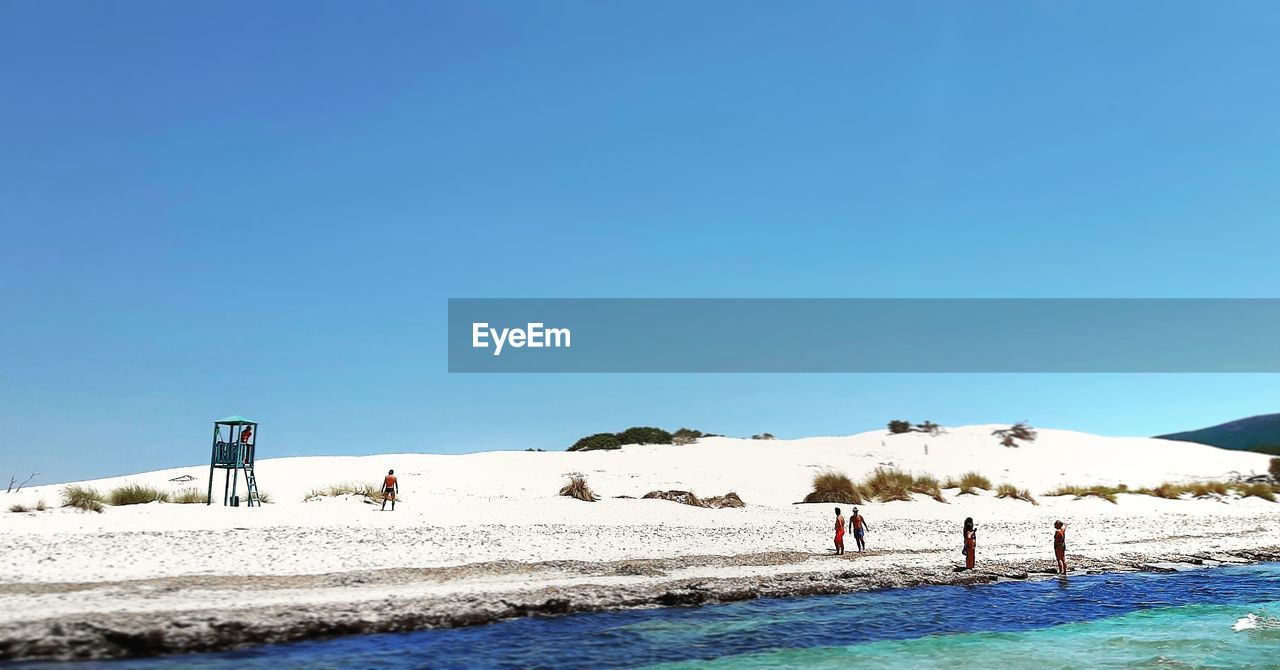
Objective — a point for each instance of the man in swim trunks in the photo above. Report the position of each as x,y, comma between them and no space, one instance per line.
390,488
858,526
1060,545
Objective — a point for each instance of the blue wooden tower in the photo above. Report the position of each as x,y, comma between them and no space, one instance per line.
233,452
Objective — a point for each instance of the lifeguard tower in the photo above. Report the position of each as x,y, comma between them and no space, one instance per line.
233,441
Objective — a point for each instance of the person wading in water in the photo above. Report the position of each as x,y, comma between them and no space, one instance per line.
1060,545
390,489
970,542
858,526
839,532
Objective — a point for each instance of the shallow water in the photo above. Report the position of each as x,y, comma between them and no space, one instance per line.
1181,620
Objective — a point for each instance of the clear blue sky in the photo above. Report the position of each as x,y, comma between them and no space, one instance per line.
261,208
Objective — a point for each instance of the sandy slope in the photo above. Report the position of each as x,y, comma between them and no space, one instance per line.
502,506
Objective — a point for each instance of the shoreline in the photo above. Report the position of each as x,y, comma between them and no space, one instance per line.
585,588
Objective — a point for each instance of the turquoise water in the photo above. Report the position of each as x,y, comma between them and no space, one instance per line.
1181,620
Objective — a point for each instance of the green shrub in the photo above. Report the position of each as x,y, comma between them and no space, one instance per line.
644,435
830,486
898,427
687,436
1011,491
577,488
596,442
84,498
1018,431
135,494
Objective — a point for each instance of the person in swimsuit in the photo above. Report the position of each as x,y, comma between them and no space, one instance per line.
839,532
1060,545
858,526
390,487
970,542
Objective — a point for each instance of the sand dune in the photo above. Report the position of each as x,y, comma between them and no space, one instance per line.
67,566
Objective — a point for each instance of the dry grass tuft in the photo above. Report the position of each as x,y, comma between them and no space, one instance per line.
830,486
968,483
888,484
728,500
1208,489
189,496
1011,491
371,494
682,497
1257,490
577,488
928,485
19,509
84,498
135,494
1107,493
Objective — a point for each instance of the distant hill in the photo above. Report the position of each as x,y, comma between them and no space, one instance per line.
1256,433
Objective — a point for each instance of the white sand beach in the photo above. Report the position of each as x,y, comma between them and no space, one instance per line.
479,529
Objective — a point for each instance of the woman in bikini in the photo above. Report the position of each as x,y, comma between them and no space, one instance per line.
970,542
839,532
1060,545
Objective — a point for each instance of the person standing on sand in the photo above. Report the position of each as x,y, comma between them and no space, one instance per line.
839,532
390,488
858,526
970,542
1060,545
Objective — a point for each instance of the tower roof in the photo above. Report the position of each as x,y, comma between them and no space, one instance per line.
235,420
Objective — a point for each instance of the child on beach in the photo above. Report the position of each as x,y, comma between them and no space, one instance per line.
858,526
390,487
970,542
839,532
1060,545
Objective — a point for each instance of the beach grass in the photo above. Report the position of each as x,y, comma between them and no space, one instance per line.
189,496
888,484
831,486
135,494
1107,493
1011,491
968,483
1212,489
578,488
19,509
84,498
365,490
1256,490
928,485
